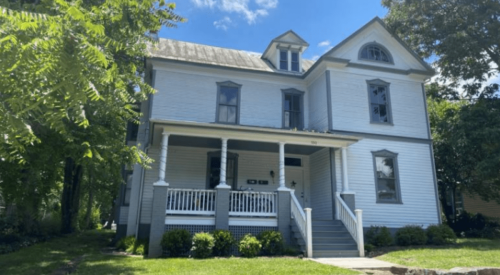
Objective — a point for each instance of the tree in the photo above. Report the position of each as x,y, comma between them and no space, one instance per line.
462,34
75,69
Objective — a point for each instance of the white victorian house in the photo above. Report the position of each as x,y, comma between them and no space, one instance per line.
319,150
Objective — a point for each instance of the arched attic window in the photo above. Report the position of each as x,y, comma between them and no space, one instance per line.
375,52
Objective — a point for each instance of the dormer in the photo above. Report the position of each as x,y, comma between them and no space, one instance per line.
285,52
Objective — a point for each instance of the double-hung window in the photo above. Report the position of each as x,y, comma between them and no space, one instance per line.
386,177
283,60
295,61
228,101
293,108
378,94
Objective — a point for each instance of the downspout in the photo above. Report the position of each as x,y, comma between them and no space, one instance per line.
146,149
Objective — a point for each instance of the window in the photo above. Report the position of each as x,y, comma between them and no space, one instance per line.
292,108
295,61
293,162
283,60
386,177
376,52
228,101
128,188
213,171
378,96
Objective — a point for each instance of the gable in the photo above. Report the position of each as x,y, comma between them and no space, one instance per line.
292,38
375,33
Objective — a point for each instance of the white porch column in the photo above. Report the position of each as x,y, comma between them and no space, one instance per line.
282,167
345,177
162,171
223,165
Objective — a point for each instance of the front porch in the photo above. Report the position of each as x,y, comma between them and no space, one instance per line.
253,180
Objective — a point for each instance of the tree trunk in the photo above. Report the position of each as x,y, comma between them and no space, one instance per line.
111,214
70,201
89,202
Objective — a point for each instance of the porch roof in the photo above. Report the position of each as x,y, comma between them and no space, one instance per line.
254,134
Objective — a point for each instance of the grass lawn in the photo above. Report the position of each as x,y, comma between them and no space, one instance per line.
467,253
46,257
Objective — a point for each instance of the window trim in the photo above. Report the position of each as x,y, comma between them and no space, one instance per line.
287,60
232,85
292,91
382,47
397,184
388,104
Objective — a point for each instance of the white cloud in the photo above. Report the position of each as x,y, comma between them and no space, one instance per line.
325,43
223,23
267,4
315,57
240,7
204,3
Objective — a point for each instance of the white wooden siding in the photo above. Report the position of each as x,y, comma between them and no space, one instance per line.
123,215
321,187
416,182
318,113
187,168
350,105
193,97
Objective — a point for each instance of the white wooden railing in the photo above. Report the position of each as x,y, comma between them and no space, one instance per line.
303,222
248,203
191,201
354,224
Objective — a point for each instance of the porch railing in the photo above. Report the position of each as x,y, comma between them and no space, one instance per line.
191,201
248,203
354,224
303,222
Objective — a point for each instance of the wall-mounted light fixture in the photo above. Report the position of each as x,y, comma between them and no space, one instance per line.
271,173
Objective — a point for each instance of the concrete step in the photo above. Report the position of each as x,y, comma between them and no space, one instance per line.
334,241
328,227
331,234
335,253
330,246
327,222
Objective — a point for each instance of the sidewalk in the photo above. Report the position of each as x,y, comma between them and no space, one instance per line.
356,263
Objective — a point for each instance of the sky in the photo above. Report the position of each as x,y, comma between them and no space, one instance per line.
250,25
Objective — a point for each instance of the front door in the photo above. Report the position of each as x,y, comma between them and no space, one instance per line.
213,175
294,179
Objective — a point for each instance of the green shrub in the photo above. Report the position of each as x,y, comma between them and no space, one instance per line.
141,247
290,251
440,234
203,243
249,246
224,241
51,225
126,243
411,235
272,242
176,242
369,247
378,236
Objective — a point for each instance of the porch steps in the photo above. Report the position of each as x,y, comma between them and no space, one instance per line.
331,239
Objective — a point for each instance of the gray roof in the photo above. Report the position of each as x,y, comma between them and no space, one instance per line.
204,54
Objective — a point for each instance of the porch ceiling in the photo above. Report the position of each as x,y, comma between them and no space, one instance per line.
251,138
177,140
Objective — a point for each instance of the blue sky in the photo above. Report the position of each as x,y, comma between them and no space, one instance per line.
251,24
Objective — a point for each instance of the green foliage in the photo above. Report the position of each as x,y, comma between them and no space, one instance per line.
176,242
440,234
249,246
290,251
126,243
131,245
203,243
272,242
463,36
475,226
72,74
224,241
378,236
411,235
369,247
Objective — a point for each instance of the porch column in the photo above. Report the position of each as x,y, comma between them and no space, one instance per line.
162,171
222,201
282,167
345,177
159,208
347,195
223,165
